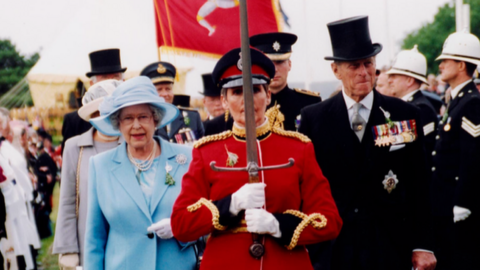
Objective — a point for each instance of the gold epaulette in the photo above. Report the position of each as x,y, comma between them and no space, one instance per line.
306,92
215,214
291,134
212,138
306,220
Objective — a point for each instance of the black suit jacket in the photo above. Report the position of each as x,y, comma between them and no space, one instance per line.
380,229
195,124
72,126
217,125
291,102
429,119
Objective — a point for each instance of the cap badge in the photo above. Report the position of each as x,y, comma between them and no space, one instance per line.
161,69
390,182
276,46
239,63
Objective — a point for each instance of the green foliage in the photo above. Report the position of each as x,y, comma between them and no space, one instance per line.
13,66
430,37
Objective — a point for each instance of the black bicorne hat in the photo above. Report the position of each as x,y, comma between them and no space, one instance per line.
228,70
277,46
181,100
351,40
160,72
210,89
105,62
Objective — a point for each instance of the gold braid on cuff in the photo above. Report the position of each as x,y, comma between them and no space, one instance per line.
215,214
306,220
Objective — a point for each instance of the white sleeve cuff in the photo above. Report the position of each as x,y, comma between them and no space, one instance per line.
460,213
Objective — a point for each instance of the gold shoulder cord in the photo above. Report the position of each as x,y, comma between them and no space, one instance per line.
212,138
306,220
215,214
77,197
291,134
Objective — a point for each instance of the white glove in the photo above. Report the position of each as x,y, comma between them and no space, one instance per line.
248,196
460,213
163,228
68,261
262,222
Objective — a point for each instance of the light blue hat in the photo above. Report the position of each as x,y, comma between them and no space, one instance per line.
138,90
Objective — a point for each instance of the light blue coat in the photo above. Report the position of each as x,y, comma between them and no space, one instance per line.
118,215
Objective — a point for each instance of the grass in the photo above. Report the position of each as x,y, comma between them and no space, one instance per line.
49,260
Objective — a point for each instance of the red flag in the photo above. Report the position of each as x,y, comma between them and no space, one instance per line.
210,27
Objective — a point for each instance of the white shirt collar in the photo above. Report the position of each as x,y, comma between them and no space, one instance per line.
459,87
367,101
407,96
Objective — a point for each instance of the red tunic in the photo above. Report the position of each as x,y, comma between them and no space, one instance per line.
301,187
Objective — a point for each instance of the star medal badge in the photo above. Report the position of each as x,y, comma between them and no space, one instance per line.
186,119
276,46
232,158
390,182
169,179
181,159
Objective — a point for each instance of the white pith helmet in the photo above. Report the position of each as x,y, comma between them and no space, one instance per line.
461,46
411,63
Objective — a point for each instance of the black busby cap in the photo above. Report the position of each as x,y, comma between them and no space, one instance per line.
181,100
228,70
351,40
160,72
105,62
210,89
277,46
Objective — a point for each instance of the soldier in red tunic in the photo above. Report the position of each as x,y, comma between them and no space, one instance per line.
289,208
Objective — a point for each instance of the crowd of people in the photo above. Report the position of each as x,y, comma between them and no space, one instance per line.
381,174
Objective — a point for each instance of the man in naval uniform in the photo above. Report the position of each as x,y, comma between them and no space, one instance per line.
278,47
405,78
456,156
371,151
187,127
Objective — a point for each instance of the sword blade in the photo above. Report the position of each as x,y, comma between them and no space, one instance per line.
250,127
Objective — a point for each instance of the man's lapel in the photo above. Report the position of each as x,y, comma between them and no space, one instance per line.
176,125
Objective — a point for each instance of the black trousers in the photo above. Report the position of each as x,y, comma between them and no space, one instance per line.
443,237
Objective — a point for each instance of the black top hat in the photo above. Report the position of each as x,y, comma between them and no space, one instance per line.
160,72
351,40
228,70
277,46
105,62
181,100
210,89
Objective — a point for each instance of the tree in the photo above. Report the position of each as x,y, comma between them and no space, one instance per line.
13,66
430,37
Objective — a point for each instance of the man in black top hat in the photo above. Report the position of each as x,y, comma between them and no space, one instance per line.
105,65
370,148
187,127
218,119
278,47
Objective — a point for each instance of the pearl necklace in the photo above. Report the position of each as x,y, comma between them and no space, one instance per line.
146,164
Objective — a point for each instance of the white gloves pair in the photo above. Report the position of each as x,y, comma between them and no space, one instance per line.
163,229
251,198
460,213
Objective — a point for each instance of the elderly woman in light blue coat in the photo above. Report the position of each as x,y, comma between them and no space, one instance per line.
132,188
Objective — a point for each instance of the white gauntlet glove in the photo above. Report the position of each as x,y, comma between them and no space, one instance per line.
262,222
68,261
460,213
163,229
248,196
